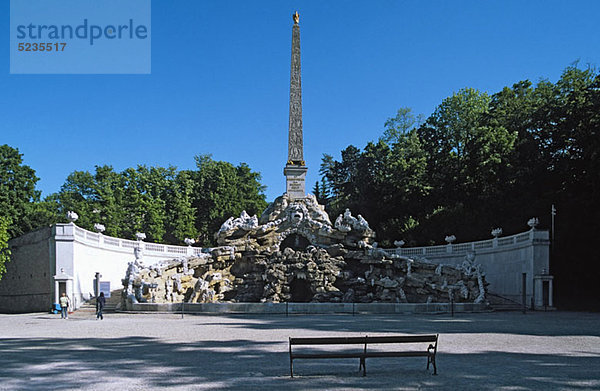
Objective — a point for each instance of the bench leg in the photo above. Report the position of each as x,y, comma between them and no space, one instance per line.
363,366
291,367
431,359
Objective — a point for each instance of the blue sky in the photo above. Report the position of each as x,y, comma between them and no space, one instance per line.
220,80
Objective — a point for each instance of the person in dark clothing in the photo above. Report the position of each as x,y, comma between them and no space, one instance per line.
100,303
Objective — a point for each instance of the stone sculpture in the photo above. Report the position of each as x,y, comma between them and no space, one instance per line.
533,222
189,241
496,232
285,217
294,253
450,238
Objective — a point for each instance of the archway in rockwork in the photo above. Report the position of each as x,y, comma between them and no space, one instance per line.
296,242
300,291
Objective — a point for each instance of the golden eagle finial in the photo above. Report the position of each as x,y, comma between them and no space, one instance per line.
296,17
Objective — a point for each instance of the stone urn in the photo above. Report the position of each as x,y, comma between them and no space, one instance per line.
72,216
189,241
533,222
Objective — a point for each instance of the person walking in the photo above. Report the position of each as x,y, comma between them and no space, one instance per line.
100,303
64,306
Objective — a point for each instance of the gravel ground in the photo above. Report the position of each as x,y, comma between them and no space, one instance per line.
485,351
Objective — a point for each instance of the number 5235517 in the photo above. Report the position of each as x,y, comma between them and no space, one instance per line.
42,47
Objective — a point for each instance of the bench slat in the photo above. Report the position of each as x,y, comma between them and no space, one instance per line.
328,341
327,355
360,354
397,354
362,340
402,339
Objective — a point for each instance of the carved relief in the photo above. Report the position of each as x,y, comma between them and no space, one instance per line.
295,139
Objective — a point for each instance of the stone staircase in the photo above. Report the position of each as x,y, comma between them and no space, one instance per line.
112,303
500,303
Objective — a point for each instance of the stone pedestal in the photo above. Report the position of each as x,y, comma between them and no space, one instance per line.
542,289
295,178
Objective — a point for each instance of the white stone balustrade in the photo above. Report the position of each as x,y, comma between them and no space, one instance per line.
111,243
81,254
462,248
503,260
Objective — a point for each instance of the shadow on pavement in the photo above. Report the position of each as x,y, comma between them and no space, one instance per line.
148,363
536,323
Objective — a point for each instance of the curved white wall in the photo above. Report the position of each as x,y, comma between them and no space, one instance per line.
66,251
504,260
82,254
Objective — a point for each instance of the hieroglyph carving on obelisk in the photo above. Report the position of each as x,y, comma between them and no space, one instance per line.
295,142
295,169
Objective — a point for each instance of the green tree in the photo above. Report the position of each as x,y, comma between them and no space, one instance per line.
379,183
410,189
17,189
468,161
146,191
165,204
340,179
223,190
565,138
97,198
108,201
321,192
482,161
4,250
449,135
181,215
400,125
43,213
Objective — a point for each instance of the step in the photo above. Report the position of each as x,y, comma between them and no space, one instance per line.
506,307
87,307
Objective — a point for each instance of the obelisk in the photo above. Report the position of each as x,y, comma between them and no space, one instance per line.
295,169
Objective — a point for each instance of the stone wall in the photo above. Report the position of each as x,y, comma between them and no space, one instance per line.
27,285
332,275
503,259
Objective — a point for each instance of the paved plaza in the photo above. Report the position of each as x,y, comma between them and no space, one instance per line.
484,351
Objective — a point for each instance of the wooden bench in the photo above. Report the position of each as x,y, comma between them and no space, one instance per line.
364,353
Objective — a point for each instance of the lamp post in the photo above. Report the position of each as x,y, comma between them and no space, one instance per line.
553,213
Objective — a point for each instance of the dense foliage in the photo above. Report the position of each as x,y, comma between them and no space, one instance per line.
223,191
166,204
4,250
482,161
17,190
